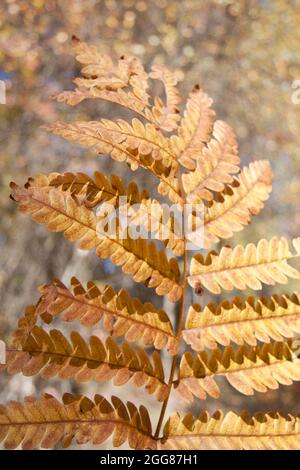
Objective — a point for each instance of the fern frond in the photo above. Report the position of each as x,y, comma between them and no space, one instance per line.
243,321
196,163
215,165
53,355
138,258
166,115
124,83
110,141
122,314
101,65
45,422
195,129
102,73
244,267
247,369
121,97
89,191
131,143
233,208
263,431
140,209
228,214
128,74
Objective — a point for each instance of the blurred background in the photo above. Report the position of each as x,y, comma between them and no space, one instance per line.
246,56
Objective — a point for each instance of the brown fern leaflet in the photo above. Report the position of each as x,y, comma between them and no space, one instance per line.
249,341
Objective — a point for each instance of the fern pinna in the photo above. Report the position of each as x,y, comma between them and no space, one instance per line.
248,341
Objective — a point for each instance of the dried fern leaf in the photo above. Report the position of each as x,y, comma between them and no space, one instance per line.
233,208
243,321
244,267
263,431
123,141
215,165
102,73
124,83
247,369
45,422
122,314
195,131
121,97
89,191
53,355
139,209
94,62
62,213
166,115
128,75
110,141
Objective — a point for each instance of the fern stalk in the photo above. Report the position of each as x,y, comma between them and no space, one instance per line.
178,336
180,321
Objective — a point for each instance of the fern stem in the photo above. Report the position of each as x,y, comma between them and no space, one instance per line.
166,401
178,335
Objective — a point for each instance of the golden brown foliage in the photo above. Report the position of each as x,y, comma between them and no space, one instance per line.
44,422
232,432
195,160
247,369
243,267
122,315
243,321
52,354
61,213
